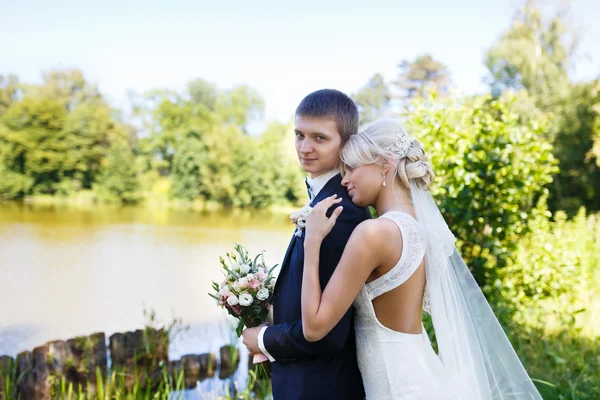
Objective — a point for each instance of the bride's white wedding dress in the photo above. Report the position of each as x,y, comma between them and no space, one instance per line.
396,365
476,360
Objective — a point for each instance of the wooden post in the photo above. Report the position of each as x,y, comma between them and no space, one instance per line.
230,359
25,385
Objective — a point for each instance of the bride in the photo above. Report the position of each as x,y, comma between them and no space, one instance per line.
395,266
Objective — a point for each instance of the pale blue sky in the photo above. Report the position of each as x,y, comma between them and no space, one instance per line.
283,49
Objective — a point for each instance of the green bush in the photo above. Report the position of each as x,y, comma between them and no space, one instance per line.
491,170
552,292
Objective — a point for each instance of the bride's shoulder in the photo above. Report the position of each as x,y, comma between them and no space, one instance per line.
376,231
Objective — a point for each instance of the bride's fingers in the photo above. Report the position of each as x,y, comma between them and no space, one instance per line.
332,203
329,201
336,213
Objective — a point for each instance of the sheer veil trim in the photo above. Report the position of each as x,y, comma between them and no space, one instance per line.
477,356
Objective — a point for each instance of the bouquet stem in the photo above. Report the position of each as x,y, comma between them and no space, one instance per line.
263,368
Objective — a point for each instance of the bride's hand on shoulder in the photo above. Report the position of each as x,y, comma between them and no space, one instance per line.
318,225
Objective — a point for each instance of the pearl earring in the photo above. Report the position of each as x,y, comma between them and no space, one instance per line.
384,179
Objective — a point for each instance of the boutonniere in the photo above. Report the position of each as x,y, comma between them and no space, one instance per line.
299,218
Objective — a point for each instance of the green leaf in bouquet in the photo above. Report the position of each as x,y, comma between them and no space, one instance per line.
256,258
239,328
230,272
214,297
255,308
264,314
232,290
272,269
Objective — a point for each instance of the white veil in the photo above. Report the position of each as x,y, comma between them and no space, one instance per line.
477,356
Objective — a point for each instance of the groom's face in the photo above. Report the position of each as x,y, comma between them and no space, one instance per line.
317,144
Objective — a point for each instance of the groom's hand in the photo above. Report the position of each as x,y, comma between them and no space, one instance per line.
250,339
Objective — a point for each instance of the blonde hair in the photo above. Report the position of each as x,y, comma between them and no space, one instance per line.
378,141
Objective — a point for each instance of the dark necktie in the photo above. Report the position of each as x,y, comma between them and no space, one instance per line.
308,188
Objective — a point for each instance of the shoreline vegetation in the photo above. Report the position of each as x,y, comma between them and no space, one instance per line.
87,200
129,365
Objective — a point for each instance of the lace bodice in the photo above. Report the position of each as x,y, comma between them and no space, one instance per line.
413,250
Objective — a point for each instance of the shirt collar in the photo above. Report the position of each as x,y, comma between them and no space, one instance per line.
320,181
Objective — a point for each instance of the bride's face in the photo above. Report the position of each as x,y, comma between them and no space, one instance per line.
363,183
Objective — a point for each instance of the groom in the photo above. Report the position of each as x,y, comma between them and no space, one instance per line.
326,369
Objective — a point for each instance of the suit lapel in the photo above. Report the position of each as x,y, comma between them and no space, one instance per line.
329,188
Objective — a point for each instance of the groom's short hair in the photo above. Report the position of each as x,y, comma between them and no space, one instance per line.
333,105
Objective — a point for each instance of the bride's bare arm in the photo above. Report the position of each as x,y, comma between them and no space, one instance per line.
322,310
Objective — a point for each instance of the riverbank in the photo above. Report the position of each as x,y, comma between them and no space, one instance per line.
88,199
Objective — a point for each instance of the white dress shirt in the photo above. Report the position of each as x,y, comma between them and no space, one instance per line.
315,186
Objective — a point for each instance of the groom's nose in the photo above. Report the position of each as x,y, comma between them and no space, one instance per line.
306,147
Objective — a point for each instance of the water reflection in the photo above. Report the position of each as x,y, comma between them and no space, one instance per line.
67,272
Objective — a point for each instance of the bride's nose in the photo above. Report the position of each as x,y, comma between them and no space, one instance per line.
346,179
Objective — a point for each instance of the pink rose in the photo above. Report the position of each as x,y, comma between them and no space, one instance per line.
255,284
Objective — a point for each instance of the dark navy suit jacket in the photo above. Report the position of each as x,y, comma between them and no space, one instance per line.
326,369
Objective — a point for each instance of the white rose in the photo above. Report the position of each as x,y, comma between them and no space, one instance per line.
262,294
250,277
235,267
245,299
301,222
236,286
232,300
301,214
242,282
271,283
244,268
225,292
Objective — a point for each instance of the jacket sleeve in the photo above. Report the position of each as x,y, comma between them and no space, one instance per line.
286,341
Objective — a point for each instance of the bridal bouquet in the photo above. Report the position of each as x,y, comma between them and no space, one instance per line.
246,291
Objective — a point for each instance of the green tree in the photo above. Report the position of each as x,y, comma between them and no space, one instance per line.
278,146
9,91
190,170
416,76
373,98
239,106
117,180
535,55
577,183
33,146
204,93
168,119
267,173
86,133
68,86
493,171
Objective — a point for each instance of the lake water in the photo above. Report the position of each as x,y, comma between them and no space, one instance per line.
66,272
